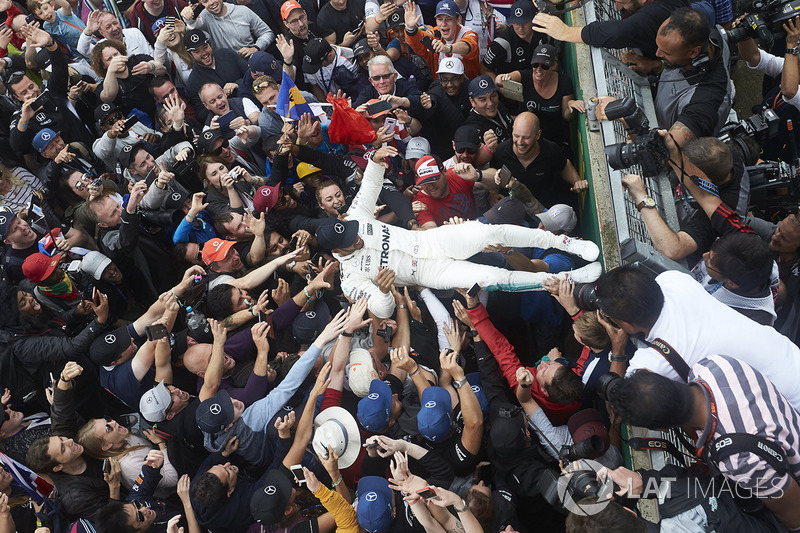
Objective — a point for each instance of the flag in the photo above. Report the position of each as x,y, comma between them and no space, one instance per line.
35,485
291,103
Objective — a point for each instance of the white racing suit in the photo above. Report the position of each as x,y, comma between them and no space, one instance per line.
435,258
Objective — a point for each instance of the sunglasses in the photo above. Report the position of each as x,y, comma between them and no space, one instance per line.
379,77
262,86
109,428
82,182
223,146
199,258
138,507
113,119
541,66
469,151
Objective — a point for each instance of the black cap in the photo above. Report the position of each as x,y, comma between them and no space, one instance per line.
126,154
521,12
314,53
103,110
506,211
481,85
467,137
544,54
333,233
395,19
361,48
194,39
107,348
214,414
207,139
269,502
307,326
507,433
175,200
395,384
6,216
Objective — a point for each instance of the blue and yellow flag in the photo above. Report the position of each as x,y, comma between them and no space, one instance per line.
291,103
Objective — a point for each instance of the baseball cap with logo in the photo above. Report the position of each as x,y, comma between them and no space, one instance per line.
264,64
306,169
427,170
6,217
107,348
435,418
175,200
361,48
361,158
103,110
44,137
266,197
374,508
449,8
545,54
360,372
395,19
94,263
586,424
268,503
307,326
336,427
214,414
194,39
374,410
155,403
207,140
506,211
417,147
522,12
126,154
467,137
451,65
288,7
38,267
481,85
474,380
507,431
314,53
332,233
560,217
216,249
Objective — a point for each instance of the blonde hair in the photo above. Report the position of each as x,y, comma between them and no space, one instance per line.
591,331
93,445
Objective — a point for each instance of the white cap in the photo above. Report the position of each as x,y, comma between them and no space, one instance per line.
154,403
336,427
360,372
94,264
417,147
451,65
560,217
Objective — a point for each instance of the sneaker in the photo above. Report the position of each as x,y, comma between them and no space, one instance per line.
586,274
583,249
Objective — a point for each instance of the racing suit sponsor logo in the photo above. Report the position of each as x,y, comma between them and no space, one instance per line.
384,261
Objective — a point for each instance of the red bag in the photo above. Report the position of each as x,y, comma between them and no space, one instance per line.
347,125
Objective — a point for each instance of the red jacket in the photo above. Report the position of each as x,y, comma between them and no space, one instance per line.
139,20
508,362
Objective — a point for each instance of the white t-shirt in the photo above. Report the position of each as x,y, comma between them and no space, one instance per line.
773,66
696,325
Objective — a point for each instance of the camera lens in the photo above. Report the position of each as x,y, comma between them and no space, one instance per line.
621,155
607,383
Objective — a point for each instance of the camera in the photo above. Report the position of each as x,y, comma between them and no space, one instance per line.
509,412
607,384
746,137
765,21
647,149
773,187
585,449
385,333
585,297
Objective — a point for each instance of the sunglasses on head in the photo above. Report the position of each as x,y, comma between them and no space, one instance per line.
379,77
541,66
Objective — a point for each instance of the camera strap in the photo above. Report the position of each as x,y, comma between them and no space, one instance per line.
659,444
722,447
672,356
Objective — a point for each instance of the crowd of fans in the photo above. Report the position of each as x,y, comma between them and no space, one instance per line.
214,317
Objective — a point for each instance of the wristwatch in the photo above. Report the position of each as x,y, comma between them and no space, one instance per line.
472,333
290,266
794,51
647,202
615,358
460,383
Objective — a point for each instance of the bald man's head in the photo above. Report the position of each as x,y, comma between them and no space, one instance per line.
526,133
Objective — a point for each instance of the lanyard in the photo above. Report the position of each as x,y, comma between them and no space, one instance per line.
713,407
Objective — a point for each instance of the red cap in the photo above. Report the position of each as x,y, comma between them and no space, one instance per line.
265,198
427,169
586,423
215,250
288,6
38,267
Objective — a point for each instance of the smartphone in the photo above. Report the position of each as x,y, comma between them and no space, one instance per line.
297,470
376,107
358,28
389,124
225,123
427,42
427,494
197,8
95,296
30,19
41,100
505,176
293,243
373,444
169,22
52,380
106,466
155,332
129,123
513,90
473,292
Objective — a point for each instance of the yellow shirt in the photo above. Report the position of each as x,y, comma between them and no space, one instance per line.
343,513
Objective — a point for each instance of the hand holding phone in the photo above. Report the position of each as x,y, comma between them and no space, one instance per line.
155,332
297,471
427,494
473,292
505,176
129,123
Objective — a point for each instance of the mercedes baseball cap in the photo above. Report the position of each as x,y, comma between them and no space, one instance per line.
507,430
269,502
427,170
107,348
435,418
216,249
467,137
374,507
214,414
6,216
481,85
288,7
395,19
94,263
266,198
545,54
451,65
560,217
103,110
361,48
38,267
175,200
586,424
44,137
155,403
418,147
449,8
307,326
264,64
194,39
207,140
506,211
314,53
333,233
521,12
125,158
374,410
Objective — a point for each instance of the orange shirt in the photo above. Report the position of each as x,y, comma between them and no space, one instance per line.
471,60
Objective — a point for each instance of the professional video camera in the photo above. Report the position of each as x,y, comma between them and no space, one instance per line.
647,149
774,186
764,20
746,137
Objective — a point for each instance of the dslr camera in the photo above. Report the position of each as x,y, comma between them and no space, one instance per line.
647,149
764,21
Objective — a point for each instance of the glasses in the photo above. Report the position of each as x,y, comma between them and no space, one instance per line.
282,201
138,507
379,77
608,319
15,78
539,65
82,182
449,81
298,20
262,86
109,428
469,151
199,258
113,119
708,265
223,146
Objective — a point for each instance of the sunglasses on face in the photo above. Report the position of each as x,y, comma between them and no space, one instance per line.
82,182
379,77
113,119
469,151
109,428
223,146
139,515
541,66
